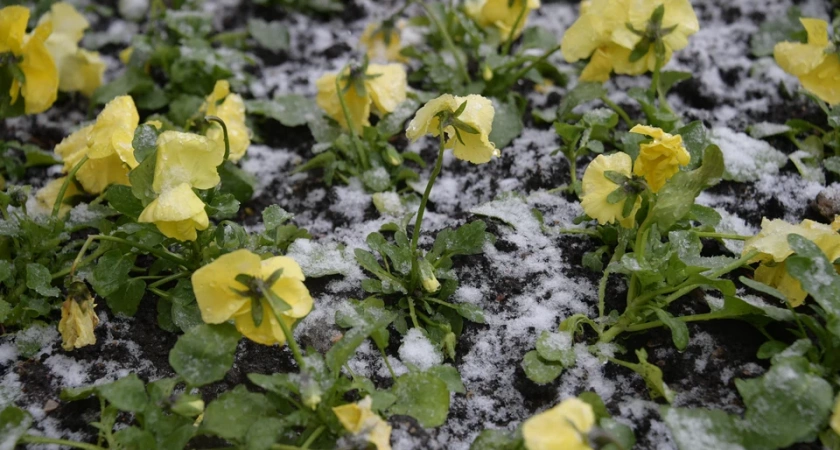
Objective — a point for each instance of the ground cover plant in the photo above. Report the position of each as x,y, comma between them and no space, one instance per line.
480,224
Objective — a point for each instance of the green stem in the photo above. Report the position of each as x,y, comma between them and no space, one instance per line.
415,236
586,231
618,109
509,42
528,68
313,436
169,278
462,67
160,254
691,318
412,313
30,439
159,293
711,234
290,340
354,137
224,132
602,285
387,363
59,199
639,249
78,263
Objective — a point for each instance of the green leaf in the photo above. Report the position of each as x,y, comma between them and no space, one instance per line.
556,347
126,298
619,432
679,330
274,216
144,142
582,93
596,402
491,439
111,271
122,199
205,353
290,110
772,32
264,433
127,393
232,414
343,350
142,177
815,273
695,139
507,122
450,376
669,79
272,36
237,182
538,37
674,200
652,376
538,370
38,279
763,288
223,206
133,80
394,123
471,312
468,239
423,396
14,423
702,429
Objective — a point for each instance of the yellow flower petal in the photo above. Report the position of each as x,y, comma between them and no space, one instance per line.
824,80
48,195
269,332
177,213
78,320
13,20
597,187
817,30
503,14
479,114
68,23
81,72
798,59
358,107
660,159
778,277
41,86
599,68
214,282
290,286
359,419
593,29
563,427
425,122
387,89
232,112
97,174
186,158
772,245
73,144
220,90
113,131
373,38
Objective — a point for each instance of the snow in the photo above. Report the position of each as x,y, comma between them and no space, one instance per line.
417,350
746,159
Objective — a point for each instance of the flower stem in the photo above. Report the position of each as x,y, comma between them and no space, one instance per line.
59,199
519,17
412,313
710,234
30,439
224,133
586,231
354,137
102,237
415,236
290,340
313,436
462,67
533,63
618,109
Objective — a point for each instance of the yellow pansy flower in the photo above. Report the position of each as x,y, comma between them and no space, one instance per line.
215,289
177,213
382,43
597,187
384,88
40,87
563,427
816,63
96,174
231,109
601,34
359,419
772,244
47,195
79,70
186,158
478,114
661,158
78,319
502,14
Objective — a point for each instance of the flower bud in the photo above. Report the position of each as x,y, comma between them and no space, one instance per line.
427,276
392,156
310,391
188,405
487,73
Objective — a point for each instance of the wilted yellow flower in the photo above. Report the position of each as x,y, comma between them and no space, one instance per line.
359,419
382,42
601,34
215,288
563,427
597,187
79,70
478,114
661,158
40,87
772,244
48,195
816,63
384,87
231,109
186,158
502,14
78,319
177,213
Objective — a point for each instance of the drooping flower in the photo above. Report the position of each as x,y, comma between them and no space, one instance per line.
48,195
220,296
382,42
597,188
40,85
602,34
359,419
773,247
563,427
379,88
816,63
79,70
108,145
231,109
184,161
502,14
661,158
478,115
78,318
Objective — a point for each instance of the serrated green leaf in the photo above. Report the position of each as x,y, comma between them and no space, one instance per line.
674,200
423,396
556,347
204,354
38,279
290,110
343,350
815,273
232,414
538,370
144,142
122,199
272,36
111,271
507,122
679,330
127,393
126,298
450,376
